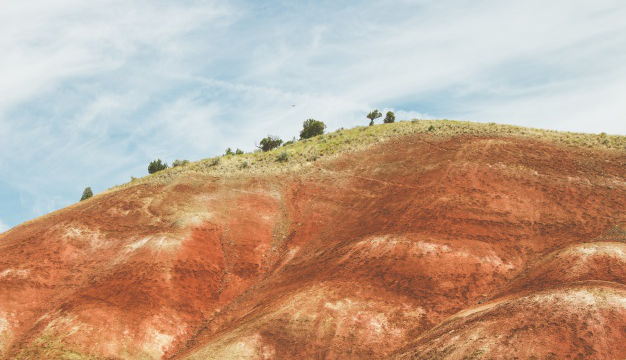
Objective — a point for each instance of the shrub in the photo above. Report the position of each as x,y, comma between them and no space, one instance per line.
244,165
431,128
603,139
86,194
389,118
290,141
215,161
238,152
269,143
156,165
373,116
229,152
282,157
180,163
311,128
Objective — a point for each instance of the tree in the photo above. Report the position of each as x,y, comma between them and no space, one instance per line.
86,194
238,152
229,151
389,118
373,116
269,143
311,128
157,165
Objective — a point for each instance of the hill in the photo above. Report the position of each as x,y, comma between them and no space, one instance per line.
413,240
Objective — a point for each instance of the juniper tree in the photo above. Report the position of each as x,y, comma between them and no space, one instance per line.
86,194
373,116
311,128
269,143
156,165
389,118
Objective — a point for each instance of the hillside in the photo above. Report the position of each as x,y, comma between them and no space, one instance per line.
413,240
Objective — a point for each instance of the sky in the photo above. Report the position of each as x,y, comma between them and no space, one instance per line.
91,92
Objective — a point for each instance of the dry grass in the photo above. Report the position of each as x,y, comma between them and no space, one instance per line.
302,154
50,347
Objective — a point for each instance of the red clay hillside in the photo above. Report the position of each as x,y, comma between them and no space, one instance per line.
411,240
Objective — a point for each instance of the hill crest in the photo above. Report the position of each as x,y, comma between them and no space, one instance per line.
374,251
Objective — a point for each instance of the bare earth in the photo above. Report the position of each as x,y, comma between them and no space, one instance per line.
463,247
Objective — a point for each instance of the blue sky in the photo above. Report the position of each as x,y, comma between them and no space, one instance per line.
90,92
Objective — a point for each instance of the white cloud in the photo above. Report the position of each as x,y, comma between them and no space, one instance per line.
409,115
479,56
3,227
45,44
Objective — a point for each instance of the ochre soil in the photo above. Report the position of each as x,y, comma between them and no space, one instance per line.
416,248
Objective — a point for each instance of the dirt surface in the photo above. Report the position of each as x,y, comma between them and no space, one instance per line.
416,248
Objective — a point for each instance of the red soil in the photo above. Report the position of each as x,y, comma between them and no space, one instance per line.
410,249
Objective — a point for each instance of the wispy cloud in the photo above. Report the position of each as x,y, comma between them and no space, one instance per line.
92,92
3,227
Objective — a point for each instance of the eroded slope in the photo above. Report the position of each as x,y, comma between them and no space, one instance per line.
361,256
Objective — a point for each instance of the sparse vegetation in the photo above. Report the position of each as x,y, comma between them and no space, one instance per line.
616,233
87,193
312,127
389,118
177,163
51,346
325,146
156,165
282,157
269,143
373,116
